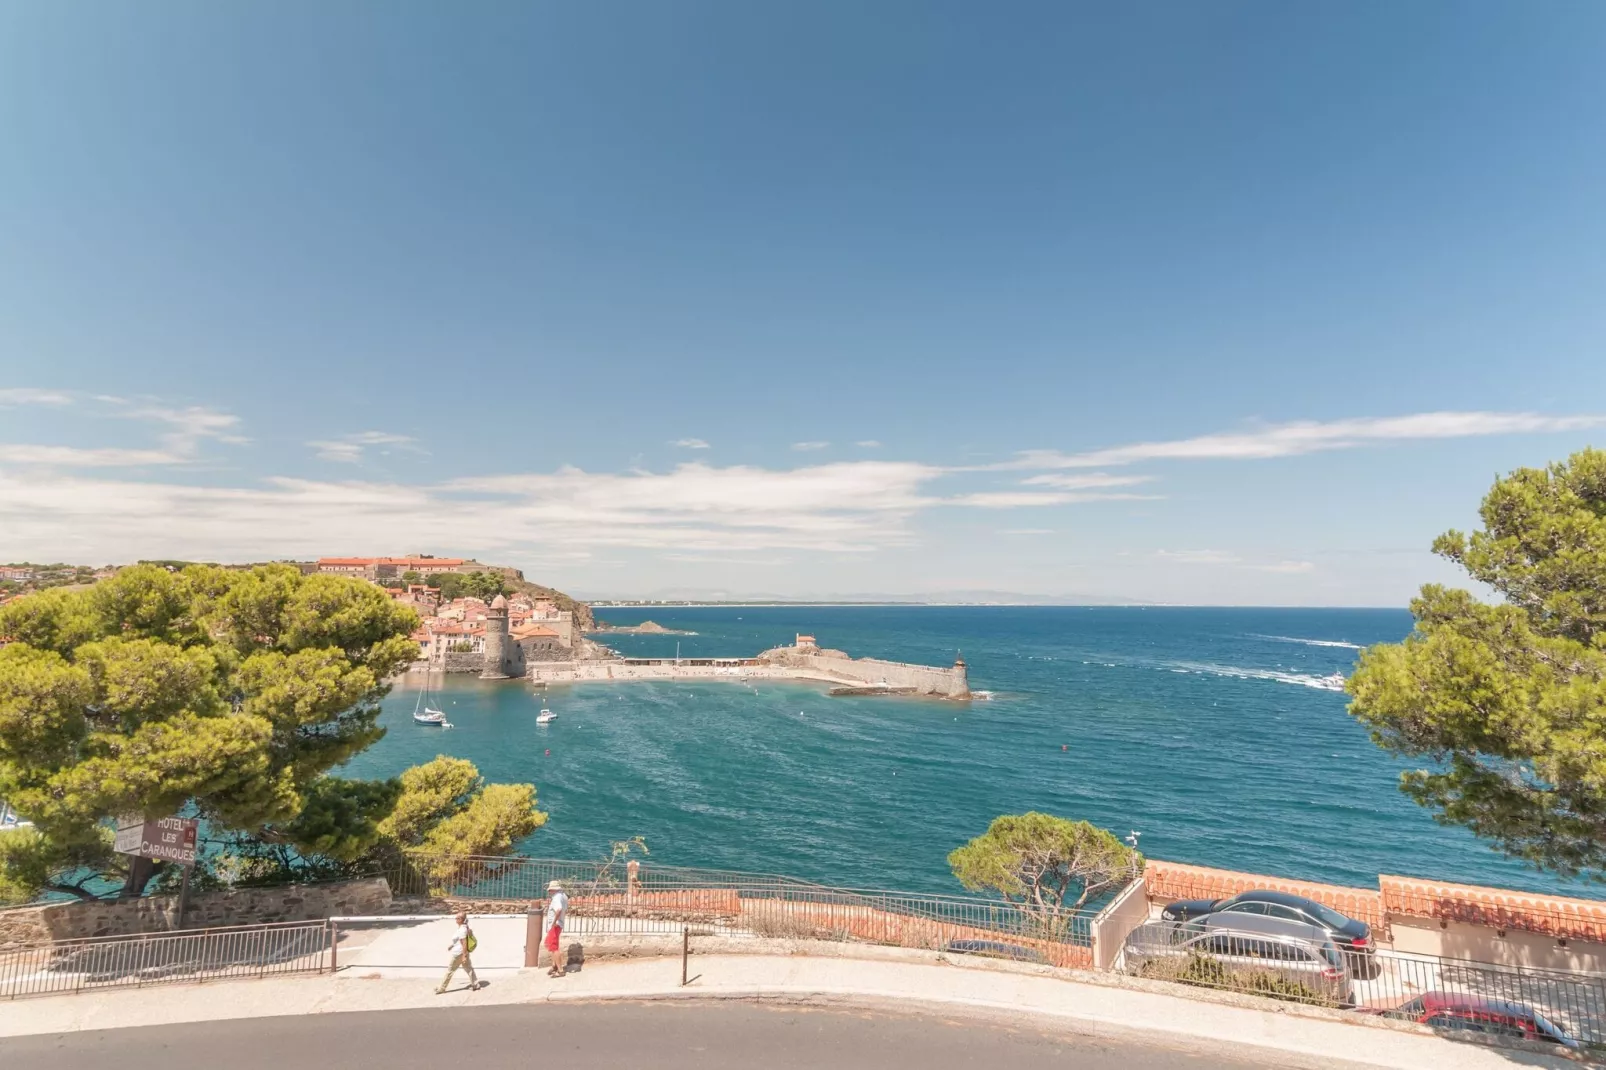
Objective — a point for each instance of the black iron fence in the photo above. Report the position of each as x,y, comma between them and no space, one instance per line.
158,958
625,898
1456,993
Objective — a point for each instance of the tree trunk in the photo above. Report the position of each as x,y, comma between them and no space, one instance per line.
140,873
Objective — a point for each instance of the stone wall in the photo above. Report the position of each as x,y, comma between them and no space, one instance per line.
463,661
33,925
924,679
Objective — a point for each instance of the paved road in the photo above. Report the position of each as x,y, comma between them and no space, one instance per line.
583,1037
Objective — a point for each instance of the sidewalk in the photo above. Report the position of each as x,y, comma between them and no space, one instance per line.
386,974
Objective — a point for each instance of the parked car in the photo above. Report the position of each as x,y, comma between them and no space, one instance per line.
1353,938
1243,952
998,950
1490,1017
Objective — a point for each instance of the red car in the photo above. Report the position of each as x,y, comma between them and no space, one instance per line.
1490,1017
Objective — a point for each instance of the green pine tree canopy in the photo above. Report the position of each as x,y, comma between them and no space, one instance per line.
225,693
1506,702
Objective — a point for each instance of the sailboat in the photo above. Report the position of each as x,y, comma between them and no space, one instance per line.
424,713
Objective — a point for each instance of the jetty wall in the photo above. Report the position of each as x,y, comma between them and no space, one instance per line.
836,665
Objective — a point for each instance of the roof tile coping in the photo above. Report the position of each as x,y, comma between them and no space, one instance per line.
1175,880
1499,908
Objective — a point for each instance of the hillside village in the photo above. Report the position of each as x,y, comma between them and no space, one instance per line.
453,597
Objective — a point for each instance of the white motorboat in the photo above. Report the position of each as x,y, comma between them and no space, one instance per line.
1333,681
546,716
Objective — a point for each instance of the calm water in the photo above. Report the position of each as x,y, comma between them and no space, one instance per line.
1196,727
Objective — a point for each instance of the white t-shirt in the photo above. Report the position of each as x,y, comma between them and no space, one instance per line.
460,940
557,908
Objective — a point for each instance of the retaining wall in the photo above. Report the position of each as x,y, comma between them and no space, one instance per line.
54,922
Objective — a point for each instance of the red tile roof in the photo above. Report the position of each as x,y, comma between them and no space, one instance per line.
1552,915
1173,880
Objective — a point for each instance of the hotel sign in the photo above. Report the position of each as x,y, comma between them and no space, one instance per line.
167,839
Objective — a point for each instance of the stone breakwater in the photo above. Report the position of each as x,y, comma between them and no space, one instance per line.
803,661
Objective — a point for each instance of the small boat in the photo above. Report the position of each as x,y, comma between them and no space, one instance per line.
425,714
1333,681
546,716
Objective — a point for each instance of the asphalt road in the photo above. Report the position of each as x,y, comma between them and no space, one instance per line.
652,1036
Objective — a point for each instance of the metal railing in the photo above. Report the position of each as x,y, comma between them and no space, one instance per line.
643,899
158,958
1377,981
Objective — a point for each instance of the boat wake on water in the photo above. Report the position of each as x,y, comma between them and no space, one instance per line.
1311,642
1331,682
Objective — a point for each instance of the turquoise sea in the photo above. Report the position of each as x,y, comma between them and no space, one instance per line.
1197,727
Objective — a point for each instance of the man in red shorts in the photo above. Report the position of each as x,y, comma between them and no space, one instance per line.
557,912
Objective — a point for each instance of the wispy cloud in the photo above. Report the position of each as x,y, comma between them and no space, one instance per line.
844,507
27,395
806,447
1292,439
1230,559
1287,566
185,429
1200,557
868,443
188,425
76,457
350,449
1095,479
690,443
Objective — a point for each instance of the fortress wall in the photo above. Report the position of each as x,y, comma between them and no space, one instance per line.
924,678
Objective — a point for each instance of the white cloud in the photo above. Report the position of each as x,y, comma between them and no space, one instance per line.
1228,558
690,443
1200,557
1095,479
694,508
27,395
186,428
1027,531
350,449
75,457
1292,439
869,444
806,447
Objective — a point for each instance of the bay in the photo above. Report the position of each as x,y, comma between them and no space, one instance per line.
1200,728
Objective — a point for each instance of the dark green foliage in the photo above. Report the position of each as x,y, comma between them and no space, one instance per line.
1506,703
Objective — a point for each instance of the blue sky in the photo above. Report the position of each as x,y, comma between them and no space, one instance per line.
801,299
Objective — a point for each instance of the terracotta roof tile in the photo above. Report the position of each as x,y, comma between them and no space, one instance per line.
1575,919
1174,880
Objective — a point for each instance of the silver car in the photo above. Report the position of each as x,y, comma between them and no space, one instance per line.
1249,953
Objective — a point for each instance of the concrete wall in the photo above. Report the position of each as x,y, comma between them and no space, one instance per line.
1128,910
1460,940
34,925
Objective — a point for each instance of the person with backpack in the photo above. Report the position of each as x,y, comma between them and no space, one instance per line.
462,946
